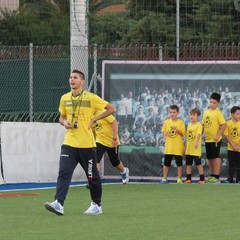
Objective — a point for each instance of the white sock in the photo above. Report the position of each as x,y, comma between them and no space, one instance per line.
123,171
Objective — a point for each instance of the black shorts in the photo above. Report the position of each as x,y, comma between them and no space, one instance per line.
168,159
112,154
213,149
234,158
190,159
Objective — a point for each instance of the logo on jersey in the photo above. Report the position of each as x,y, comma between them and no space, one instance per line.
235,133
172,132
97,126
207,122
68,103
190,136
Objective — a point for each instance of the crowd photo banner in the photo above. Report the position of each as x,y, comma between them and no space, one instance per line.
30,152
144,90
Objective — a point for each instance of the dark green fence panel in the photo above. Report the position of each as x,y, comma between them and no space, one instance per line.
50,82
14,82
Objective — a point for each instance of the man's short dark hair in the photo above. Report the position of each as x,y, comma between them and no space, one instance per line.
216,96
234,109
82,75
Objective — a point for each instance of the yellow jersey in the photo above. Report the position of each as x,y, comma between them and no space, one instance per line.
233,132
193,130
212,119
174,142
80,110
104,131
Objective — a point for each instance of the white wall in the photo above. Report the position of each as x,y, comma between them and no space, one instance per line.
30,152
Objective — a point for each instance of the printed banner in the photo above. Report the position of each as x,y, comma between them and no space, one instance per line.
142,93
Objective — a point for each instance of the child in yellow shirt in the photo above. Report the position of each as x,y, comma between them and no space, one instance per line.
214,125
232,134
194,146
173,130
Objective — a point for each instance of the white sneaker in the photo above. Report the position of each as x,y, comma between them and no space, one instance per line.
93,209
125,176
54,207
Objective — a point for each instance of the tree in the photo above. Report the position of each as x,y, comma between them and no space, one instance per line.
39,23
216,22
64,6
144,21
154,22
107,29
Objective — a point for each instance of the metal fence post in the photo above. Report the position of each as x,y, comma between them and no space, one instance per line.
95,68
177,29
31,82
160,52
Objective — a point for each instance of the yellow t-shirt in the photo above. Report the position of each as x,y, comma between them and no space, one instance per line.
212,119
82,108
174,142
193,130
233,132
104,131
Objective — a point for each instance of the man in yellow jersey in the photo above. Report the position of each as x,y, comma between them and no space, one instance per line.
173,130
214,125
232,134
193,150
107,140
77,109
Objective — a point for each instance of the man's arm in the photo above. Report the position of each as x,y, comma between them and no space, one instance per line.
63,121
115,133
220,132
234,146
110,109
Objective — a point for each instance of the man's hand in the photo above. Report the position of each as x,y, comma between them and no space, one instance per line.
67,124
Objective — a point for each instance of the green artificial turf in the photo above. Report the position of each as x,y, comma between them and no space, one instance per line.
133,211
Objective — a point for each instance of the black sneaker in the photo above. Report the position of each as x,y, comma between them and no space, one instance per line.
229,181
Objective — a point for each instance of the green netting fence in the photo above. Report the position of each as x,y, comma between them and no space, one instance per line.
33,78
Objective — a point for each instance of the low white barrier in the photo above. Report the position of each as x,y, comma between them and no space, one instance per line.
30,152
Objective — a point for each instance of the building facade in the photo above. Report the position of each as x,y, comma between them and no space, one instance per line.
9,4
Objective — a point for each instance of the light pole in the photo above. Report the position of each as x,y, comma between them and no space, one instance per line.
79,36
